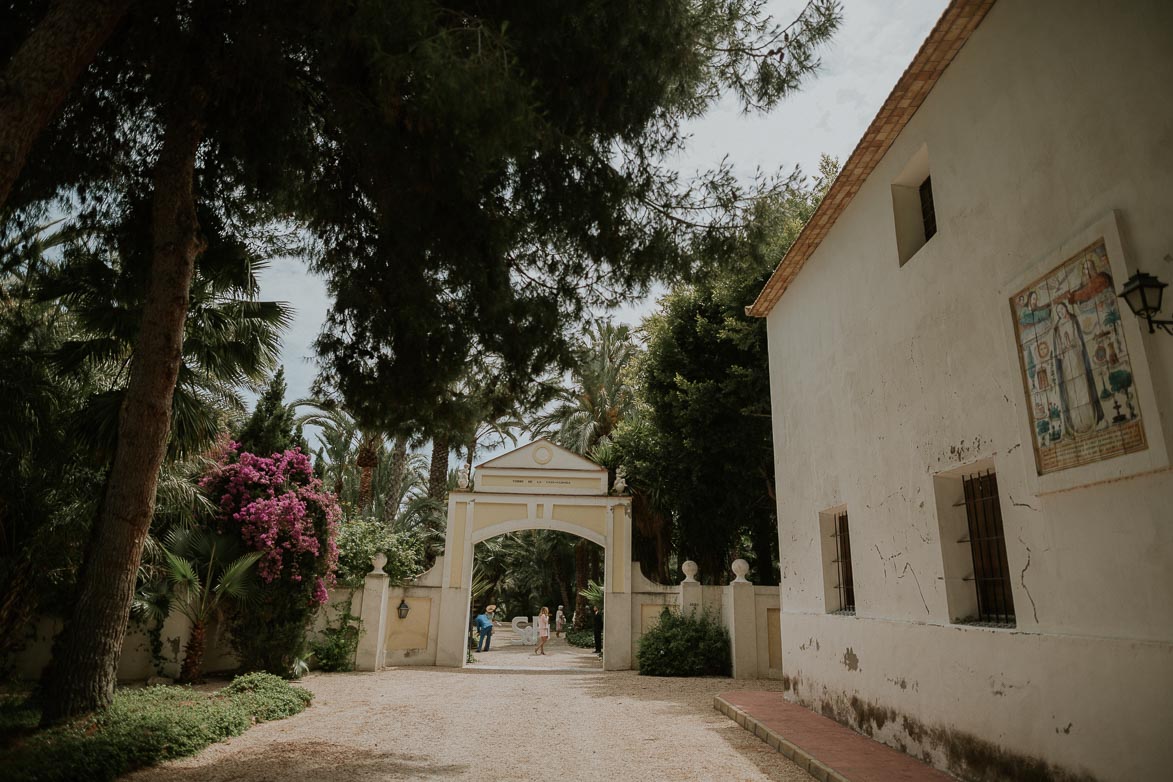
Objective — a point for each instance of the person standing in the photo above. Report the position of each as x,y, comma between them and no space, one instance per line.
484,624
559,623
598,630
543,630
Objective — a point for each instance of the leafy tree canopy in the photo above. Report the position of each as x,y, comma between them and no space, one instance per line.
701,445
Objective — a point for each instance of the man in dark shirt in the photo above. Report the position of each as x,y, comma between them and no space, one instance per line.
598,631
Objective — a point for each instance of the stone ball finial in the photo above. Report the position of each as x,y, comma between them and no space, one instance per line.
377,563
689,568
740,568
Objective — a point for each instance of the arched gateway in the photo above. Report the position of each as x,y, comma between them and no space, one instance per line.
537,486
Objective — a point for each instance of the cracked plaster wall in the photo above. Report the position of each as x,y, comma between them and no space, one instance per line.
884,376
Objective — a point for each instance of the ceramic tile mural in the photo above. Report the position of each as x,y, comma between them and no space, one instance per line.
1075,365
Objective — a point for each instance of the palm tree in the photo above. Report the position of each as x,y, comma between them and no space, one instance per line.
231,340
47,482
337,439
205,568
585,414
600,396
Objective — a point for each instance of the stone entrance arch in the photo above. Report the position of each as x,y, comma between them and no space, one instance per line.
537,486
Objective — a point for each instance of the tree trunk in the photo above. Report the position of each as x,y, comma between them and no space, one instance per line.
397,481
82,675
438,473
651,539
38,78
366,461
193,655
581,566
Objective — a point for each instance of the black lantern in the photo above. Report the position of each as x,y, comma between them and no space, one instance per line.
1143,292
404,608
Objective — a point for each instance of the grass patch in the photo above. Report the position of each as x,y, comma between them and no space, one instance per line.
141,728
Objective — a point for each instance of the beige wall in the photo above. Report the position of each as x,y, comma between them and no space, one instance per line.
648,600
882,376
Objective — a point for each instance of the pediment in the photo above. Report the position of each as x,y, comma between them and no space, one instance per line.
542,467
541,455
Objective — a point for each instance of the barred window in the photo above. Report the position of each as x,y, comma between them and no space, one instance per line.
987,546
843,564
838,579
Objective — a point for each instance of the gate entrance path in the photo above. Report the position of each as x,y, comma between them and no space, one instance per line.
537,486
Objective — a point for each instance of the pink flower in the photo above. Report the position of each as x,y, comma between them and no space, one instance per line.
280,509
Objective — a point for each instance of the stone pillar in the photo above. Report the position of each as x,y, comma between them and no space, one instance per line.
741,620
690,590
617,595
372,644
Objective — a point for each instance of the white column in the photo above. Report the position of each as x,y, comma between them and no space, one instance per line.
452,645
616,596
372,644
690,590
741,621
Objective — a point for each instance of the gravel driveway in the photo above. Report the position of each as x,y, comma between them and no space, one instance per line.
487,725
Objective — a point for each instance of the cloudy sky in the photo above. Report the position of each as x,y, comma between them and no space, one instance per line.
859,68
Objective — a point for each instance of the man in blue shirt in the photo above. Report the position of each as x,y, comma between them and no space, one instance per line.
484,624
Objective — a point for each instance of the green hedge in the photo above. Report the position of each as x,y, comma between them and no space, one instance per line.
685,646
584,638
141,728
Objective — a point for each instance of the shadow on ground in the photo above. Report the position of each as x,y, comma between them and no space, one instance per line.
308,761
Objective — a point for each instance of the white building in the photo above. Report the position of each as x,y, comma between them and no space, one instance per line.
972,432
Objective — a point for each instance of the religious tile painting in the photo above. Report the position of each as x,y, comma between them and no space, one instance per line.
1075,365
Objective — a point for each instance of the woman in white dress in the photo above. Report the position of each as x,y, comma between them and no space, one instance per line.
543,630
559,623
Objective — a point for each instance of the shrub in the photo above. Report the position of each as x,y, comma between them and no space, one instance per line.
147,726
267,697
685,646
277,507
335,652
360,539
584,638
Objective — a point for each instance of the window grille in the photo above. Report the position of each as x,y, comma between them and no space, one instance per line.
846,585
987,545
928,212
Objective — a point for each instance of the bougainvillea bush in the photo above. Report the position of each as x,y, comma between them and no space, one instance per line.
277,507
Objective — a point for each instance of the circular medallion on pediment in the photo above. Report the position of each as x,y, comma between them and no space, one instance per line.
542,454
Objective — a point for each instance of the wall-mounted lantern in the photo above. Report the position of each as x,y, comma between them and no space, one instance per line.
404,608
1143,292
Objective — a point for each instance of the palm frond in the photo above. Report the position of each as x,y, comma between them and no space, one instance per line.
238,579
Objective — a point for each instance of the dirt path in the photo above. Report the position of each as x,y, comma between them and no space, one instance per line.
488,725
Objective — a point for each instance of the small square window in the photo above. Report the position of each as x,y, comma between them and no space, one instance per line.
838,578
914,207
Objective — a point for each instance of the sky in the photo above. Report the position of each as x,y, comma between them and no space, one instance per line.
876,41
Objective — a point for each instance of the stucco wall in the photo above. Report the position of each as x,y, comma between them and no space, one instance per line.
882,376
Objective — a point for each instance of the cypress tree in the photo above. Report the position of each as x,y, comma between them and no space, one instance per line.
271,427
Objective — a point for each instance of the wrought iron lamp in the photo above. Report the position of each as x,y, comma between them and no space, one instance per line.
404,609
1143,292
